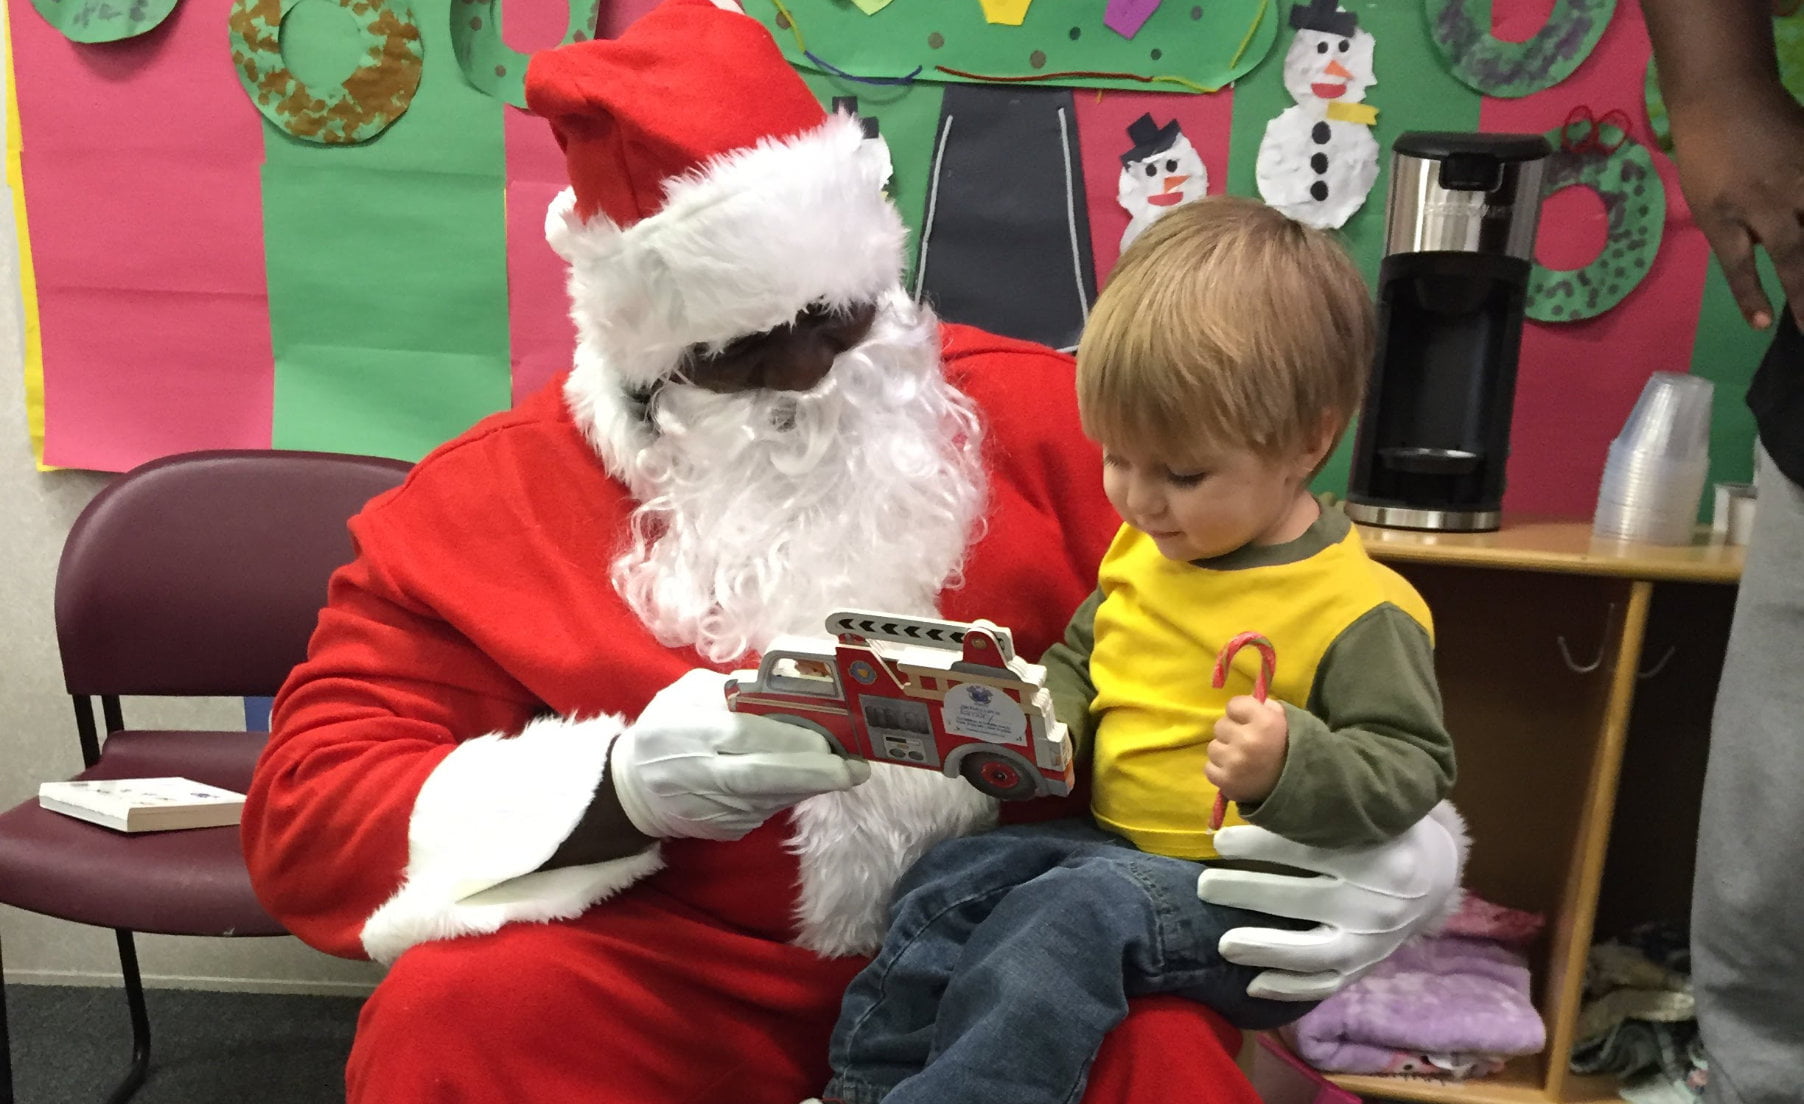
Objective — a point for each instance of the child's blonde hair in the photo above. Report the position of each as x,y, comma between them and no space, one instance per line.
1226,324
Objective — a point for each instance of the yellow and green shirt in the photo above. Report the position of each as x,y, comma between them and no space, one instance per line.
1368,753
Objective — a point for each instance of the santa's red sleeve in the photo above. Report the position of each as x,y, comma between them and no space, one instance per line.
413,782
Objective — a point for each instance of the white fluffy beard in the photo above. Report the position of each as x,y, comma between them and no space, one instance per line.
762,512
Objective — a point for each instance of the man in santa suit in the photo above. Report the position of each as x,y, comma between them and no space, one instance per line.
506,769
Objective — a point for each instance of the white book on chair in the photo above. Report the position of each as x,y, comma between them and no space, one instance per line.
144,804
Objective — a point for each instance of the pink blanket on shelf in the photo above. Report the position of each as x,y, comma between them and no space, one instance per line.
1452,1005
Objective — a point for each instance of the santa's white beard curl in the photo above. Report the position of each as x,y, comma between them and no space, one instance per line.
761,512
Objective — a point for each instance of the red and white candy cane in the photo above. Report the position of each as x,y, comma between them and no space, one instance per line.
1268,667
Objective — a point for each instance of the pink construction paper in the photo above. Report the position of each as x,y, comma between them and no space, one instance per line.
1102,137
1577,381
164,345
615,15
538,307
1126,17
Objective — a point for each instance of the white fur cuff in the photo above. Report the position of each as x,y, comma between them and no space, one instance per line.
488,816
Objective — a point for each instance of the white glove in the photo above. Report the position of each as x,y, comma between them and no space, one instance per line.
1366,902
689,767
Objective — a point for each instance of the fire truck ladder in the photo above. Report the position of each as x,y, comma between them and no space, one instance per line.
915,630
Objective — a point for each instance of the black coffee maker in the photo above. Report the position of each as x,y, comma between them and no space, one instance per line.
1434,434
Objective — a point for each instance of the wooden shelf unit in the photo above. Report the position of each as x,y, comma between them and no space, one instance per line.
1547,640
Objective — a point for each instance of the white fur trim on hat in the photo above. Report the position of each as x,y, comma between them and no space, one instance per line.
486,818
738,248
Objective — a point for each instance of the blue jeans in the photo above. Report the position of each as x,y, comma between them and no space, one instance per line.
1011,954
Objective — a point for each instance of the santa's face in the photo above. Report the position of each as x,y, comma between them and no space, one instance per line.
795,356
1153,185
762,511
1323,68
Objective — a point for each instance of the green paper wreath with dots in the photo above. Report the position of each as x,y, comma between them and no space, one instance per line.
492,66
1788,36
1461,30
90,21
364,105
1635,203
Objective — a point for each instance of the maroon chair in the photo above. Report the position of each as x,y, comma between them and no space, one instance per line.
200,574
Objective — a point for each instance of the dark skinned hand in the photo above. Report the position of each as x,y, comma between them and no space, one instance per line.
1741,165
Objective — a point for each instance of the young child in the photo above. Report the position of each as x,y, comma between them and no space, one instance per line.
1219,368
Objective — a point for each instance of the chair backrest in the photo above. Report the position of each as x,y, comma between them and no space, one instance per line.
204,573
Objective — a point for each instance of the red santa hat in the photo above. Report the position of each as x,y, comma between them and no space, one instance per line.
711,197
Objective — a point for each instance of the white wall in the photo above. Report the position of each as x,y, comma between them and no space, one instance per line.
37,726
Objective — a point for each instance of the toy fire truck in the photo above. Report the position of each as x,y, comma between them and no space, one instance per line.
948,695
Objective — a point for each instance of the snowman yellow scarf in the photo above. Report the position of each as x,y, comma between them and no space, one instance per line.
1363,114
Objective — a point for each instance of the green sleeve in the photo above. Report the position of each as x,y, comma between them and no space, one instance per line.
1370,754
1068,675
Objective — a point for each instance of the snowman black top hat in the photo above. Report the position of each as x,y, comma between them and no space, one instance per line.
1149,138
1323,15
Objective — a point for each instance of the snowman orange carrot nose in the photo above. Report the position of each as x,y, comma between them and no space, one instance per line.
1268,667
1336,69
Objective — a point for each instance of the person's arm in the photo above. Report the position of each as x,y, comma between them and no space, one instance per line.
413,789
1067,666
1738,138
1368,754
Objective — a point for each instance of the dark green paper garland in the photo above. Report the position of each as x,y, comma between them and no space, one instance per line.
1461,30
490,64
1635,203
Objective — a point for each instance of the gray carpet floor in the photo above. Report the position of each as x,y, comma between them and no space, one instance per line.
72,1045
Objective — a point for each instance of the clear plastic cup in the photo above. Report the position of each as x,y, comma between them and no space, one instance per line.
1671,417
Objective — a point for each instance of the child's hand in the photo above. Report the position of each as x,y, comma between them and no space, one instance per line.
1247,755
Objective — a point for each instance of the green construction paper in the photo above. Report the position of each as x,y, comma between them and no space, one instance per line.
423,274
1635,203
1462,31
1188,46
1414,91
103,20
367,400
1788,37
490,64
871,7
368,101
908,119
387,269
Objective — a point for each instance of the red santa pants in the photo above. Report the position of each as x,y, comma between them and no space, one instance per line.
643,1001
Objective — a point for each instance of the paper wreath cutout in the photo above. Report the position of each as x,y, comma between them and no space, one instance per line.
491,65
1635,203
92,21
363,106
1461,29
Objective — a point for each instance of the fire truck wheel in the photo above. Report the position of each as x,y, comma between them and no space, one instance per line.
999,775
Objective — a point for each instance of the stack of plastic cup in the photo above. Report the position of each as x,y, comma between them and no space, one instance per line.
1655,473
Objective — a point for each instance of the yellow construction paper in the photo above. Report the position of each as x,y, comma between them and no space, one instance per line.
28,284
1009,12
1352,112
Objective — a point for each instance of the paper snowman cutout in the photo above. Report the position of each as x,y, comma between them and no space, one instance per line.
1159,172
1319,160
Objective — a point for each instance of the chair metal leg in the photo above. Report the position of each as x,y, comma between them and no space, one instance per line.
134,998
6,1047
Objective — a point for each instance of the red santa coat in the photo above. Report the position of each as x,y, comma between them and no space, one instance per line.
389,812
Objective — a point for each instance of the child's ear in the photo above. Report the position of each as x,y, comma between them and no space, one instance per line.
1320,441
